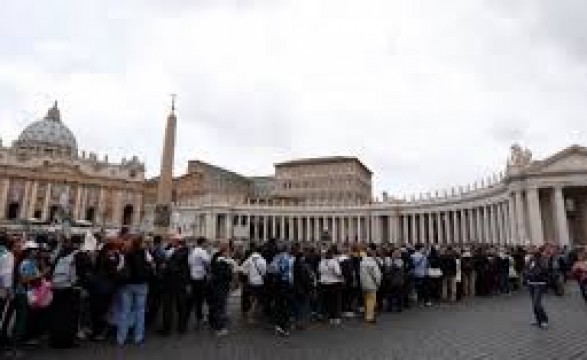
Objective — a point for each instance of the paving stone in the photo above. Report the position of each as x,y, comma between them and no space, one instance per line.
478,329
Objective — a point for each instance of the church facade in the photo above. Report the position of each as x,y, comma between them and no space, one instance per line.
44,177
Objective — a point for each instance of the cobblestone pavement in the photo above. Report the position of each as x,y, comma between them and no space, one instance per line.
478,329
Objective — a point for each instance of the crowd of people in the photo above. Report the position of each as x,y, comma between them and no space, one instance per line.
63,290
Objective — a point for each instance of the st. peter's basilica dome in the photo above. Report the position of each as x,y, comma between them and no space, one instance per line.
48,135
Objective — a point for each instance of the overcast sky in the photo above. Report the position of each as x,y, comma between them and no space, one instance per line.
428,94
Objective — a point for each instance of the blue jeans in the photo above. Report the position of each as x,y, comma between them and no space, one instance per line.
537,292
132,312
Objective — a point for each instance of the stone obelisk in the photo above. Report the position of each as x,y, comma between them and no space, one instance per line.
164,187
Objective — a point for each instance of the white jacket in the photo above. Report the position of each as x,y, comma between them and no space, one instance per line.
199,262
330,272
370,274
255,268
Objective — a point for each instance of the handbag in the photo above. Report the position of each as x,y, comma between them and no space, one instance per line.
40,296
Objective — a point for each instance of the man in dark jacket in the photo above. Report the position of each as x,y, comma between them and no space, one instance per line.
448,265
221,272
176,287
537,275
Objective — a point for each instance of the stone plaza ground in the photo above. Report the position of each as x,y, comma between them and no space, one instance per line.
477,329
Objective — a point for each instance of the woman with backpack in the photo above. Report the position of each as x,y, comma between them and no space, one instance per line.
136,269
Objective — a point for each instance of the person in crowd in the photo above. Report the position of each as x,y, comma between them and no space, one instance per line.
468,273
7,263
420,265
66,306
482,268
138,266
579,272
199,263
503,271
383,261
28,276
157,250
221,274
350,284
254,269
409,288
537,275
282,269
331,280
370,282
304,282
519,265
176,287
435,274
104,283
395,281
312,259
448,266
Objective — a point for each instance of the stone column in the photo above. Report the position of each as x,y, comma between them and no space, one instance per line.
464,234
33,199
308,229
137,206
4,197
520,220
499,222
282,234
211,225
301,231
265,227
490,223
343,230
45,210
393,228
456,227
495,220
447,233
334,230
289,232
487,224
534,216
405,229
78,201
359,229
368,226
273,227
511,219
431,236
25,200
228,226
117,211
101,205
422,226
471,218
479,225
439,229
413,228
560,216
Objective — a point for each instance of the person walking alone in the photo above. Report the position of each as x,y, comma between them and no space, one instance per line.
537,278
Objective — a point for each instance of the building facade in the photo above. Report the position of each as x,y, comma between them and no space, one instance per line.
531,202
325,180
44,176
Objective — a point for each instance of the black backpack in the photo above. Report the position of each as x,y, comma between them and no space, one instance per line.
220,271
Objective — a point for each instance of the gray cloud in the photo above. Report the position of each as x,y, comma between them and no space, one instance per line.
428,94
